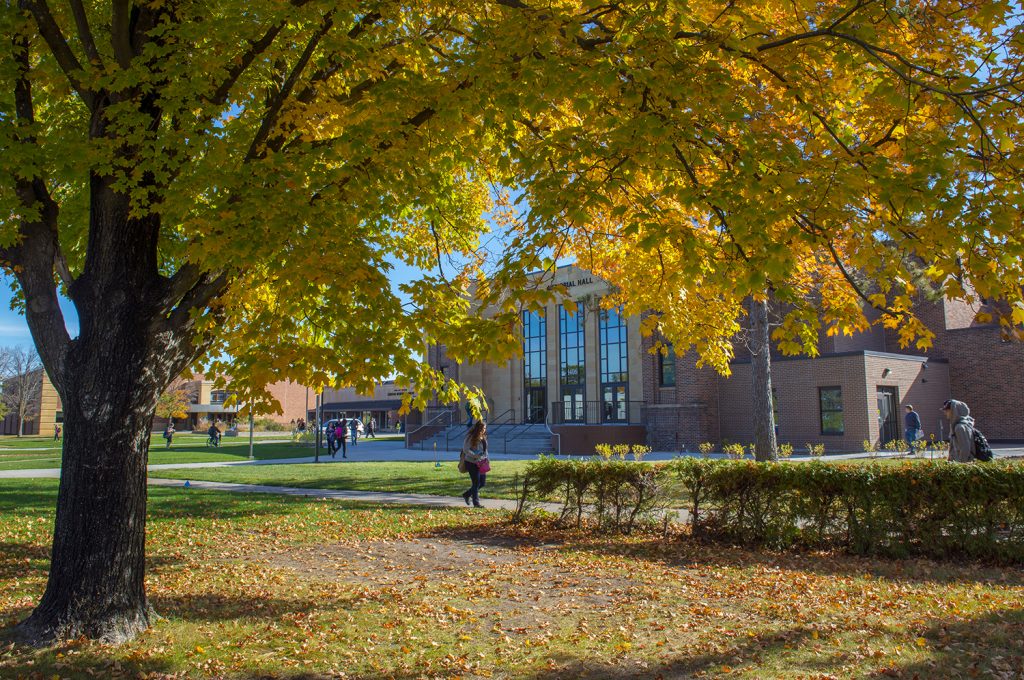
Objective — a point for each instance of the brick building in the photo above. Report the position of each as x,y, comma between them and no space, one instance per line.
45,412
591,378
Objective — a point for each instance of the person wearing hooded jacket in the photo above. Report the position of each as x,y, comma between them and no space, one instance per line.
961,431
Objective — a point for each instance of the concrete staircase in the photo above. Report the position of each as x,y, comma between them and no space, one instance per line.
527,440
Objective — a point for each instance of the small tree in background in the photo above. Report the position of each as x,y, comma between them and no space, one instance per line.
21,373
173,403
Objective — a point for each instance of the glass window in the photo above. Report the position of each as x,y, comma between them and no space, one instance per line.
614,365
830,400
667,367
572,367
535,365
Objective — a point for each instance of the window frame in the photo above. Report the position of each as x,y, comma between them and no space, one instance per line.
822,411
666,360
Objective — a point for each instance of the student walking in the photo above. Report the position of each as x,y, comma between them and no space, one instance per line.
353,426
331,440
371,428
911,427
56,433
169,434
474,461
339,440
961,431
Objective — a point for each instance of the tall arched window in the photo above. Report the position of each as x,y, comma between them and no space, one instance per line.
535,366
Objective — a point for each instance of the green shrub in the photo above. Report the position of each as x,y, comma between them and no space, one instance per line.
618,494
935,509
269,425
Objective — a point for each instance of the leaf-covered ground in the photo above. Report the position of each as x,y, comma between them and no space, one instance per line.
294,588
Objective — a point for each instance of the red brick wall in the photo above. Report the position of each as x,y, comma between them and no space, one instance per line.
581,439
292,396
985,372
679,418
796,384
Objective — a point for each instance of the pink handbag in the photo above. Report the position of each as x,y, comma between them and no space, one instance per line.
484,465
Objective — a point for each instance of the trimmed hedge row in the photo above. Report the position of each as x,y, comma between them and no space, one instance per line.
935,509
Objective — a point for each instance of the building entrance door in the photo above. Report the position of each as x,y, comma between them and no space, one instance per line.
613,403
572,405
888,414
534,411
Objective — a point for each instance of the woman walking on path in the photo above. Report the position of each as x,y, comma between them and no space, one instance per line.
353,427
474,455
169,434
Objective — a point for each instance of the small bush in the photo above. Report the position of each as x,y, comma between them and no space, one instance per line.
733,451
785,451
934,509
269,425
705,449
618,494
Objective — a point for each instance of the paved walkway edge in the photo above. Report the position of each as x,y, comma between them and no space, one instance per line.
337,494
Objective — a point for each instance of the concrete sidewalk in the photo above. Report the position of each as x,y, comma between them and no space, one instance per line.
396,498
388,451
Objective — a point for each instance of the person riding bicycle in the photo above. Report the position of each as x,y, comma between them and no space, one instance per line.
214,433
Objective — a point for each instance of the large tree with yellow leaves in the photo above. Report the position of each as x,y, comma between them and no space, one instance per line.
238,178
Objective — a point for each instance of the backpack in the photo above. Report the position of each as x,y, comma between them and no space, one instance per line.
982,451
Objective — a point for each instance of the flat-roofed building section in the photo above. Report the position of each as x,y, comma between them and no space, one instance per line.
382,405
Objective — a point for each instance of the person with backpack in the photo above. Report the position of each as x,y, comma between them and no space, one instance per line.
169,434
966,442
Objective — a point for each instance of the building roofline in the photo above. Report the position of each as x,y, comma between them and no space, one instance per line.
855,353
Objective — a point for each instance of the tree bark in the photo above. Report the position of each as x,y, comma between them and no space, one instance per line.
112,377
761,365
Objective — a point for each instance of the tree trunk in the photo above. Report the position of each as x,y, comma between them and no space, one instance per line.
761,366
96,584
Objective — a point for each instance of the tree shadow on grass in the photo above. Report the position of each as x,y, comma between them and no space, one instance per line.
27,662
685,552
990,646
219,607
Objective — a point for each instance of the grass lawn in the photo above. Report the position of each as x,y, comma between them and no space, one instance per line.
363,476
186,448
257,586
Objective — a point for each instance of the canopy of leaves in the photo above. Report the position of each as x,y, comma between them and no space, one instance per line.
694,154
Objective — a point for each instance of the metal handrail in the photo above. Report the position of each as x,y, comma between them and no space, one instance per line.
518,430
494,421
547,424
430,423
598,412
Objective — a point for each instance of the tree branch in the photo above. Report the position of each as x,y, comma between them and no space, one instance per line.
270,117
85,33
256,48
58,45
34,256
121,32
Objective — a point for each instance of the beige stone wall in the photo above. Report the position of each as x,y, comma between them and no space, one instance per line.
503,383
49,408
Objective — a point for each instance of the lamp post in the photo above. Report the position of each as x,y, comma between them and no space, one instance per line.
250,433
319,429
